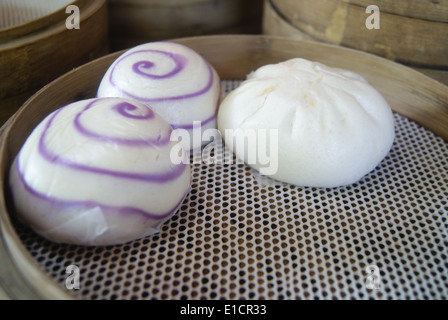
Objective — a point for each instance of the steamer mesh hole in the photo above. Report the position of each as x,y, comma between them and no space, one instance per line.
241,236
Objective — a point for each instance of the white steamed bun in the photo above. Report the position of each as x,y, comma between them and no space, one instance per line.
333,127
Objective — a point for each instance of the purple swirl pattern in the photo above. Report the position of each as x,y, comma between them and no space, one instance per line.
60,204
122,109
143,67
161,72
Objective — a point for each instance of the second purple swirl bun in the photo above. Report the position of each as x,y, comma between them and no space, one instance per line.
172,79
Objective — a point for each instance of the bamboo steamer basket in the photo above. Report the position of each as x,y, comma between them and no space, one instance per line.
36,47
410,94
138,21
411,32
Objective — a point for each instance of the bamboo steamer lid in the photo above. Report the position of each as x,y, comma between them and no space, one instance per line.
410,32
138,21
37,47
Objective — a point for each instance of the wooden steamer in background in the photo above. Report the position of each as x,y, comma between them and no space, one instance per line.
133,22
412,32
38,50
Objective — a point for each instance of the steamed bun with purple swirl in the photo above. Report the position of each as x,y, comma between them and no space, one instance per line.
98,172
172,79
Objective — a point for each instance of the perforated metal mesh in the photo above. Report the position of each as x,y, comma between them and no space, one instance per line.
238,236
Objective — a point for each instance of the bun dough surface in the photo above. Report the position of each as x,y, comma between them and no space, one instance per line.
333,126
172,79
98,172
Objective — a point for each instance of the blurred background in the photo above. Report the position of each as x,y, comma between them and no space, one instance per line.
36,45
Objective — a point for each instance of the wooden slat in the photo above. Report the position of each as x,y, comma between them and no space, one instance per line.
139,21
275,25
422,9
405,39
